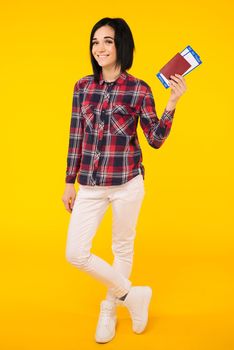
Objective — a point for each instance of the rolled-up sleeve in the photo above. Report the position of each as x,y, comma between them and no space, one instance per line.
75,138
155,130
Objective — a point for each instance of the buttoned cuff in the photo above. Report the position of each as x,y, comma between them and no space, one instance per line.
169,114
70,179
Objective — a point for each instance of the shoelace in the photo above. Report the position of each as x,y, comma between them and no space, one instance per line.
105,315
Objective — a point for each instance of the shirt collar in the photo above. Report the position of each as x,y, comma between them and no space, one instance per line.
119,80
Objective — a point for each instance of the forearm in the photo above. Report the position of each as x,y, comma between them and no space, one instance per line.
73,164
74,149
75,139
171,105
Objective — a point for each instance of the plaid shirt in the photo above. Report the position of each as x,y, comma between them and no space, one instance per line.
103,148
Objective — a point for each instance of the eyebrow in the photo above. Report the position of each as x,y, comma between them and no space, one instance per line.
105,37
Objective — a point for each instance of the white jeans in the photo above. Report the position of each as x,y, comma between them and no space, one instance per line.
90,205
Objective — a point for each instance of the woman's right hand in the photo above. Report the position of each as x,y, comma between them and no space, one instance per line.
69,196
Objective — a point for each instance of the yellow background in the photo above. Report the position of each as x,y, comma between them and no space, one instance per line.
184,244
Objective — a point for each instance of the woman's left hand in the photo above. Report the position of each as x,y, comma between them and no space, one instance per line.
178,87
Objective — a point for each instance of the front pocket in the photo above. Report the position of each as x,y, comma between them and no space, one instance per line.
89,117
122,121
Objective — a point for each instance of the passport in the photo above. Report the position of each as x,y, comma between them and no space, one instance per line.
182,63
177,64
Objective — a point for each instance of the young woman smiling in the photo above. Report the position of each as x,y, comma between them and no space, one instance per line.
105,153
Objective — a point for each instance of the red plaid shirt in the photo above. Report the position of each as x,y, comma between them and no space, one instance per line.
103,148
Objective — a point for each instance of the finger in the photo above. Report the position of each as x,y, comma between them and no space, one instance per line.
178,81
183,82
179,90
72,201
173,83
175,91
178,86
67,206
172,86
70,204
174,78
180,77
175,88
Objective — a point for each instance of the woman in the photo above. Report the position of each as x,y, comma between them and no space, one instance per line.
104,151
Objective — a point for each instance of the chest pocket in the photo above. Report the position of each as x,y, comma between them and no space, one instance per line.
123,120
88,113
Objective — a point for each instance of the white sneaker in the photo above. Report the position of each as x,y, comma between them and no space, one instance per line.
137,301
107,321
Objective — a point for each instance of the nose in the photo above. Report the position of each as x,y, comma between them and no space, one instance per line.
100,47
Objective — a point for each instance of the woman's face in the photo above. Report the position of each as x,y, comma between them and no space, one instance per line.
103,48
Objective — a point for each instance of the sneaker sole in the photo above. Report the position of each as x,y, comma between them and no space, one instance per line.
106,340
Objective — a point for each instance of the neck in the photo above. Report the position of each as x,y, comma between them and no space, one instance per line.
110,74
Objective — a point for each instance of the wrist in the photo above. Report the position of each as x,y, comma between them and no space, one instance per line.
171,105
